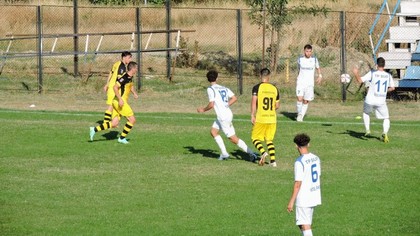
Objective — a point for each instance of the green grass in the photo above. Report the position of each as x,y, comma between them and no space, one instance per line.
167,181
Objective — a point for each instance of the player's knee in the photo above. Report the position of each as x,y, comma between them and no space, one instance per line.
214,132
114,123
132,120
234,139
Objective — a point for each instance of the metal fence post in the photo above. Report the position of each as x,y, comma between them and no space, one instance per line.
168,39
39,47
343,52
239,42
75,38
139,54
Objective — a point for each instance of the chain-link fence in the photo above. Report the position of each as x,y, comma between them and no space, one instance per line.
209,38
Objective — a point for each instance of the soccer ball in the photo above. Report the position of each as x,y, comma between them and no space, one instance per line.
345,78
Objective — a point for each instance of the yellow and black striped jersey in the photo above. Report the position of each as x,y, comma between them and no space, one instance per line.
126,83
118,69
267,97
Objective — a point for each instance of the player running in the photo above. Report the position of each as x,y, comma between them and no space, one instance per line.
221,98
265,102
118,69
122,89
305,81
380,83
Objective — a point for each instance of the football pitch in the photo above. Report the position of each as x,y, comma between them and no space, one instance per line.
168,180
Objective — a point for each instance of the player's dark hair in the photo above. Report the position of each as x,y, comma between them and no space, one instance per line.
307,46
126,53
212,75
301,140
265,72
380,62
131,65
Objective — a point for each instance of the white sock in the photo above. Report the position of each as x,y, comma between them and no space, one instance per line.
307,232
242,145
366,120
299,107
221,145
304,108
386,125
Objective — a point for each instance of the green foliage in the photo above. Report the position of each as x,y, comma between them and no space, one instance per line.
187,58
278,13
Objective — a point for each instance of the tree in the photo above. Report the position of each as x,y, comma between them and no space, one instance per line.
275,14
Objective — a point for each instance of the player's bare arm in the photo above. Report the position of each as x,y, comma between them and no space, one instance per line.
253,108
204,109
296,188
107,82
357,75
319,79
232,100
118,95
134,92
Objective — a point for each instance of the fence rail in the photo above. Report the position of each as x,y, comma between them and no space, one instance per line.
212,38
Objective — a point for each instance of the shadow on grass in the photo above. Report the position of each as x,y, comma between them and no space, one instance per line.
241,155
237,154
204,152
359,135
111,135
290,115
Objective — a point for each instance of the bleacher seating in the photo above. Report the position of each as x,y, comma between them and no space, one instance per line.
404,45
416,54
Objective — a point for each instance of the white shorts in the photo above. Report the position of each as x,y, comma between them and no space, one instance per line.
304,215
381,111
306,92
225,126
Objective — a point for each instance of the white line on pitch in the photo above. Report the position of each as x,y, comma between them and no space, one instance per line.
145,115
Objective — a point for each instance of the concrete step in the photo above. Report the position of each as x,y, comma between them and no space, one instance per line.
411,7
407,20
396,60
404,32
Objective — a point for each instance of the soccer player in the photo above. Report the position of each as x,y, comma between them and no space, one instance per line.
122,89
307,187
265,101
379,83
305,81
221,98
118,69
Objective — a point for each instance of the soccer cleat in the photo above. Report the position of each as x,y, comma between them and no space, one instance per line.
385,138
252,157
262,160
91,133
123,140
223,157
273,164
299,118
367,134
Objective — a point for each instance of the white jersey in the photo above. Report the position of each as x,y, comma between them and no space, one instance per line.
220,96
307,68
308,170
378,83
